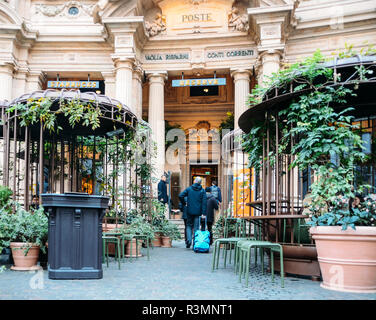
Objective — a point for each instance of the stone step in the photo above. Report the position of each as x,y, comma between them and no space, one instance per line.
180,224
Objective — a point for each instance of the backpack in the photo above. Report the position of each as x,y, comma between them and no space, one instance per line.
215,192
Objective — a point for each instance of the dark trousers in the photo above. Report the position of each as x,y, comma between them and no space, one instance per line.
185,230
209,227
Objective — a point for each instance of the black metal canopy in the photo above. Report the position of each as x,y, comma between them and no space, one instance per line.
114,114
276,98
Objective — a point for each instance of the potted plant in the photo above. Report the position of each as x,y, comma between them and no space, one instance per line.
157,221
319,131
170,232
138,227
26,234
5,207
328,142
346,245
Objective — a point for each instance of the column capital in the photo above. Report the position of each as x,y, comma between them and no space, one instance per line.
7,68
138,71
123,61
108,75
241,74
157,76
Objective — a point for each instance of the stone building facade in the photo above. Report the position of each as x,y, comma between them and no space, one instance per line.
135,48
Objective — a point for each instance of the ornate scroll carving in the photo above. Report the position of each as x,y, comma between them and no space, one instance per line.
157,26
59,10
238,21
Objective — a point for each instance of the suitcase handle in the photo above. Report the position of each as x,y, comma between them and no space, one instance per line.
205,223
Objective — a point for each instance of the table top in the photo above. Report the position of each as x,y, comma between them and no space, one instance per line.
272,201
278,216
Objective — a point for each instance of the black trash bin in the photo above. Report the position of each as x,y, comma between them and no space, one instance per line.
75,235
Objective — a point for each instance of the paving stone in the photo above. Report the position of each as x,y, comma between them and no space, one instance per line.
171,274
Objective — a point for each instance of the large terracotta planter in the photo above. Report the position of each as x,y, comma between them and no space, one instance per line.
22,262
110,226
347,258
157,242
133,254
299,259
107,228
166,242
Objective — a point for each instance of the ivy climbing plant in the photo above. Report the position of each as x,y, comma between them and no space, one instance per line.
41,110
325,138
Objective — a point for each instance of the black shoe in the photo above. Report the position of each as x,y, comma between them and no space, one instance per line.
187,245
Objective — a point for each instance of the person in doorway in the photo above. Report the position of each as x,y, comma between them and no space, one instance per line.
211,205
35,202
162,190
183,209
216,191
196,207
355,203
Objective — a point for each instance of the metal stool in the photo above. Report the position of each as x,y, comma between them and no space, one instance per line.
217,250
245,255
146,239
117,242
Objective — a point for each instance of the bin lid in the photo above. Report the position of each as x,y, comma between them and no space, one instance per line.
74,200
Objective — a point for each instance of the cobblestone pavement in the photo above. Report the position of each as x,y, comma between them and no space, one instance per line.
172,273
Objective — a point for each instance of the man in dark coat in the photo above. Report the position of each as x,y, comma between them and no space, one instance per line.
211,205
162,190
196,207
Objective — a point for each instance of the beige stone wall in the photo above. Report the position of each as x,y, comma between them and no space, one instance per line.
125,42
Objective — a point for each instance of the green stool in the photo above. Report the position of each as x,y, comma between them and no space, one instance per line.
147,242
117,242
123,237
217,249
237,253
245,256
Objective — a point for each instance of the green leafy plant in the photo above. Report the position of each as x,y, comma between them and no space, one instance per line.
158,215
170,230
218,228
30,227
5,197
363,214
41,110
320,132
139,226
227,123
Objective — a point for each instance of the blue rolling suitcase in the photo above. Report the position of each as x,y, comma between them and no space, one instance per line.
201,241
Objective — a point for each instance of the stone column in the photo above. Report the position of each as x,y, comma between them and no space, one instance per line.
6,82
34,81
109,84
19,83
270,63
242,82
156,117
124,70
137,93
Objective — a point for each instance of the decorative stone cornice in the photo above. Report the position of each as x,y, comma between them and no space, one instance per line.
61,10
272,25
